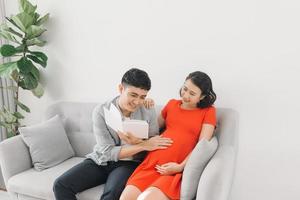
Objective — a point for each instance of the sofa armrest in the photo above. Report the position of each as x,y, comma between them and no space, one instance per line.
14,157
216,180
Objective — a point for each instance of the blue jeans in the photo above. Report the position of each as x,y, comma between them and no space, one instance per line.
88,174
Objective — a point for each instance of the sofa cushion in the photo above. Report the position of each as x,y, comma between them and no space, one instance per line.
48,143
91,194
82,142
194,167
38,184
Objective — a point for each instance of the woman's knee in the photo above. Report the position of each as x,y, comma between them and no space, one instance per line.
152,193
130,193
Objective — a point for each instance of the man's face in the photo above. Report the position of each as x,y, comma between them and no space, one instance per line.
131,97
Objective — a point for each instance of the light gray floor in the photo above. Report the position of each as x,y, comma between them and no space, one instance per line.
4,195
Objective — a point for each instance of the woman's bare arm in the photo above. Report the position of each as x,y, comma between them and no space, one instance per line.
161,121
207,132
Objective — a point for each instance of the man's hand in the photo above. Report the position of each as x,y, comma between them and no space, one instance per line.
169,168
148,103
156,142
129,138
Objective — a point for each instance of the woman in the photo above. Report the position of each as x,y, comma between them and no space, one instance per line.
188,120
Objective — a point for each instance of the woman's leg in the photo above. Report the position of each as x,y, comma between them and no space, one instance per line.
130,193
152,193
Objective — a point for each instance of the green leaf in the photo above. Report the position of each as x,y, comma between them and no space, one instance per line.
38,60
20,49
43,19
7,50
13,23
25,65
4,27
10,133
7,68
4,32
2,113
26,6
34,31
35,72
38,91
35,41
8,36
36,17
15,32
8,116
22,106
18,115
23,20
5,125
39,54
28,81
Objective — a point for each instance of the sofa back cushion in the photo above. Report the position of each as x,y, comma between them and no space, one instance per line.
227,127
77,118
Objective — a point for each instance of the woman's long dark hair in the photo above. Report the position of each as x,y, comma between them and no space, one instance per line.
202,81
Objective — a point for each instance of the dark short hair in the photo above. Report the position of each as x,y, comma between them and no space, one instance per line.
137,78
203,82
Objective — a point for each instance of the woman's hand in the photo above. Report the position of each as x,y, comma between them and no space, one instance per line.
129,138
149,103
169,168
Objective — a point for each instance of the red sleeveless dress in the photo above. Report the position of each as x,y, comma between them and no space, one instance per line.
183,127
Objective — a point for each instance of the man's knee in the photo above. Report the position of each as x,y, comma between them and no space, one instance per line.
62,189
112,192
59,185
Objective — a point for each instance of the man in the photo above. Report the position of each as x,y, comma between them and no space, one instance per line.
115,155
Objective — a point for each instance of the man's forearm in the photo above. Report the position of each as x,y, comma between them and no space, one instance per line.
151,144
128,151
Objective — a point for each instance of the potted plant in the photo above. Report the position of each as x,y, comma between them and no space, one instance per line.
22,60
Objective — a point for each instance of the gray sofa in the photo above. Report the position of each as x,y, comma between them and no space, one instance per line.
23,182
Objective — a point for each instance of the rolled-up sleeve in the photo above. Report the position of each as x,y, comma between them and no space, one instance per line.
105,150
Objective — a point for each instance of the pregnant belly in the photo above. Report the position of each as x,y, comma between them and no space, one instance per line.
183,144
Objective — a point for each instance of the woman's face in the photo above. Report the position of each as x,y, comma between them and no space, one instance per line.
190,94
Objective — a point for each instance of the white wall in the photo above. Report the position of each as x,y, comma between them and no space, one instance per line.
249,48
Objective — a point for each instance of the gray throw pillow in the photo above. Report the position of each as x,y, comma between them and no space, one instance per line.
194,167
48,143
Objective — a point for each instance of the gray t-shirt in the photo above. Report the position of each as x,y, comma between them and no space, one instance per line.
108,142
